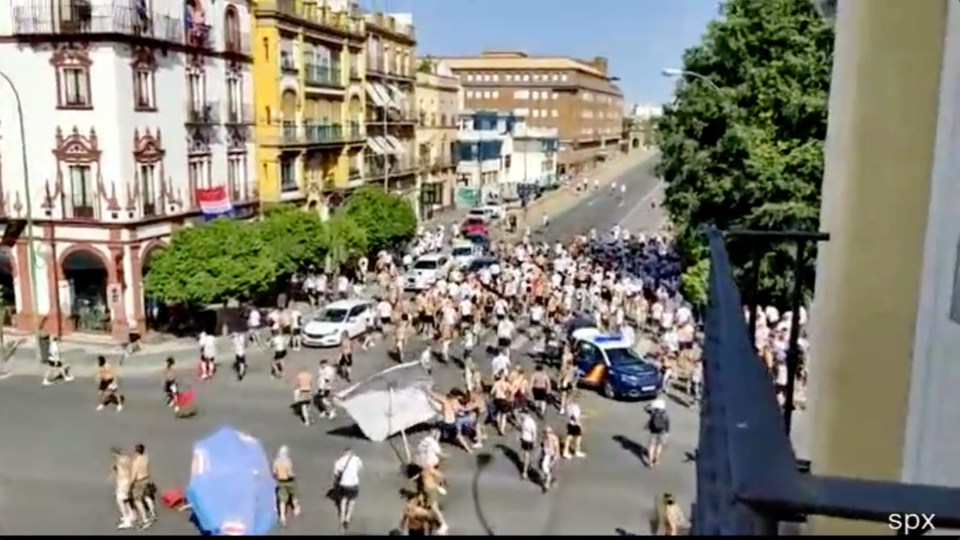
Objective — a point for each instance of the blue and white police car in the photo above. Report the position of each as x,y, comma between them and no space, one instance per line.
609,363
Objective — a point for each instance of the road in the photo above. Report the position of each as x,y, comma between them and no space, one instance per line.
54,458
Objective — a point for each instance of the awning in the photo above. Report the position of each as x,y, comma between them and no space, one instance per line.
397,96
375,145
395,142
376,96
387,96
387,145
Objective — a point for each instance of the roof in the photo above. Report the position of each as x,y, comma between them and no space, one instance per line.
431,257
520,63
601,339
346,304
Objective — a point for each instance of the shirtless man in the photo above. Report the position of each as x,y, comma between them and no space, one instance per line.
430,486
501,393
303,395
121,478
108,385
286,485
540,389
140,487
528,439
418,519
550,448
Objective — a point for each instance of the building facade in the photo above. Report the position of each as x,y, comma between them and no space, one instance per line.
500,157
129,109
886,310
391,117
577,98
439,104
309,99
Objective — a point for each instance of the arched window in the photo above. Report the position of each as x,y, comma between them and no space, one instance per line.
231,36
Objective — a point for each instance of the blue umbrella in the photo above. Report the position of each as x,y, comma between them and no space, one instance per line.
232,491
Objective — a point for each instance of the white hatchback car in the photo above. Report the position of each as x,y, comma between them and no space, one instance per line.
341,319
426,271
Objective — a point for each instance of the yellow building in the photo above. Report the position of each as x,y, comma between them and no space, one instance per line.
391,118
885,320
439,103
308,98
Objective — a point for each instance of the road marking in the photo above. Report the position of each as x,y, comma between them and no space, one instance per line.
642,205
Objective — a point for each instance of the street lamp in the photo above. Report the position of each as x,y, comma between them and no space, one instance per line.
675,73
31,249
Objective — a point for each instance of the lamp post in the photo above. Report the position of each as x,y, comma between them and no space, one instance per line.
674,73
31,248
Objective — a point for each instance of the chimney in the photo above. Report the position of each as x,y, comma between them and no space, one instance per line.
600,62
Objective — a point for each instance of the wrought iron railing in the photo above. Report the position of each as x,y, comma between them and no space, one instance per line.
749,480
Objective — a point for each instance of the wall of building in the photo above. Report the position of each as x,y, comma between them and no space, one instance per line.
872,354
438,103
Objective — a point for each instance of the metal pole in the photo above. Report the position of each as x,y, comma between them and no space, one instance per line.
31,249
386,159
793,352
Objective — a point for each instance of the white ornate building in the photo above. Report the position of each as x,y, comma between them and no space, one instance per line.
129,107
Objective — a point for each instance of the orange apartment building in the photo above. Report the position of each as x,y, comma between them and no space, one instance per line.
577,97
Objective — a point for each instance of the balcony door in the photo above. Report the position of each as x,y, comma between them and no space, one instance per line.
197,91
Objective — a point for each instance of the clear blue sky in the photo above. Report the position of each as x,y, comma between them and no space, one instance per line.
639,37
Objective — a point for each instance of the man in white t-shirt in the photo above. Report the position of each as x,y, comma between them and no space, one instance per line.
346,477
429,452
528,440
500,364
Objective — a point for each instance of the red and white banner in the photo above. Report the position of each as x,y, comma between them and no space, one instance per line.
214,202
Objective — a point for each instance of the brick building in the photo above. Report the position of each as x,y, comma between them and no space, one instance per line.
576,97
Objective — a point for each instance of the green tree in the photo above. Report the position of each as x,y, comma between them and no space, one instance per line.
296,237
747,150
211,263
387,220
345,240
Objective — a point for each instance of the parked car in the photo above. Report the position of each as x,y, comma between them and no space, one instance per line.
464,252
474,225
426,270
494,210
343,319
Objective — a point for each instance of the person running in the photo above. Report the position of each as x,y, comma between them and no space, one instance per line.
170,389
278,365
108,386
325,376
550,451
121,479
528,440
658,424
430,488
208,356
345,363
346,485
572,443
417,519
56,368
239,342
501,394
469,365
287,499
303,395
141,487
540,389
567,379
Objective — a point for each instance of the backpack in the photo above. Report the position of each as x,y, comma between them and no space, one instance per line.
659,423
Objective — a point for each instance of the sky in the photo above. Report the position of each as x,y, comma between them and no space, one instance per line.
638,37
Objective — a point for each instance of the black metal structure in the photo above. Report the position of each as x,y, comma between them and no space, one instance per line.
748,478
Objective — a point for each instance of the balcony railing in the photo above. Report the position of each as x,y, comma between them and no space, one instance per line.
377,66
114,17
311,133
318,75
389,24
202,112
390,166
391,116
740,419
318,15
239,114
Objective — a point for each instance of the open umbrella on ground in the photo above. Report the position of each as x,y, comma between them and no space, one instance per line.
232,491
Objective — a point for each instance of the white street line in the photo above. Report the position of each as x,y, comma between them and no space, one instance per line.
643,204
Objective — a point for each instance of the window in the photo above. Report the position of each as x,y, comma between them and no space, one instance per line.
144,90
496,78
526,77
508,77
148,189
554,77
197,91
288,174
232,30
237,176
469,76
563,77
75,87
555,95
536,113
469,94
521,94
496,94
487,95
81,191
198,171
234,99
554,113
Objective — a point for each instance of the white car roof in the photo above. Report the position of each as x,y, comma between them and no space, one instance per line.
346,304
603,340
430,257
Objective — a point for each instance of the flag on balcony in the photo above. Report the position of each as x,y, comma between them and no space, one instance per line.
214,202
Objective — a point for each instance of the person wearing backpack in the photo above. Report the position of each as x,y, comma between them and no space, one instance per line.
658,424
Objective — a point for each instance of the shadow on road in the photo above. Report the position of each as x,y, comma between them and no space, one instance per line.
512,455
623,532
635,448
351,431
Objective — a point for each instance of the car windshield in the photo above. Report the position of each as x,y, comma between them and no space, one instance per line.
331,315
462,251
425,265
474,221
478,212
623,357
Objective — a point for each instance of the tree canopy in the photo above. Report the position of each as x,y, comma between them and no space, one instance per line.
297,238
211,263
744,149
388,220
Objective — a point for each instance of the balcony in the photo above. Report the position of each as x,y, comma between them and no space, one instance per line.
323,76
749,481
384,23
116,19
288,63
390,166
378,68
377,116
309,134
311,15
239,114
202,113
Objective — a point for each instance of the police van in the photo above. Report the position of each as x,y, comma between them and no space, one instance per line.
610,364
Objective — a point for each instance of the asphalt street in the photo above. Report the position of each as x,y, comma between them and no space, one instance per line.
54,447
